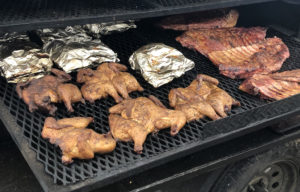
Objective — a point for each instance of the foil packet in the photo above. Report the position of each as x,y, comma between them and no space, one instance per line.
159,63
68,34
24,65
96,30
10,42
72,48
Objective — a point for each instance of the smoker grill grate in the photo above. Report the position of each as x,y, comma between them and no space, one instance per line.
32,14
194,134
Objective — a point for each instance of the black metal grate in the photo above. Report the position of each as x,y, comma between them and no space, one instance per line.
194,133
31,14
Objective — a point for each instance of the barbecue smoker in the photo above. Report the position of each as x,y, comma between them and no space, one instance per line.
254,149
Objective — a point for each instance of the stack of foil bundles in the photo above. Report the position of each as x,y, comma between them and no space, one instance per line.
96,30
20,60
71,48
159,63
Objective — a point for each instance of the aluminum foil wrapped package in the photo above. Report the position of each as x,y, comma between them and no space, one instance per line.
75,33
24,65
70,55
107,28
76,49
159,63
10,42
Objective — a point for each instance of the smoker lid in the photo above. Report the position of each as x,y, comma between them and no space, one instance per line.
24,15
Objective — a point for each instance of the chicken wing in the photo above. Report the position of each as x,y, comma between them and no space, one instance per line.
108,79
75,141
134,119
202,98
42,93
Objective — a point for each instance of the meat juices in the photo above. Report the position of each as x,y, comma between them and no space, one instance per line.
273,86
201,20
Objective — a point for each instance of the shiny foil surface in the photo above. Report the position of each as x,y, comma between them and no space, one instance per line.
72,48
25,65
10,42
159,63
99,29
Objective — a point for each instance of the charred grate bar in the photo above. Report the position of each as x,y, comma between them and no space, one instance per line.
252,115
31,14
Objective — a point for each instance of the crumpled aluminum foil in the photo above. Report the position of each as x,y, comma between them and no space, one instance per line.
25,65
159,63
72,48
99,29
68,34
10,42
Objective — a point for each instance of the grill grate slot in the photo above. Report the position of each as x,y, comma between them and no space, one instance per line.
30,124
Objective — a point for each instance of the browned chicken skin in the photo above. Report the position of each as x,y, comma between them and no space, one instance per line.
108,79
69,93
202,98
75,141
134,119
42,93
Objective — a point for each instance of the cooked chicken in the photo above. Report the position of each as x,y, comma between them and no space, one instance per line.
273,86
75,141
69,93
42,93
202,98
108,79
134,119
201,20
97,85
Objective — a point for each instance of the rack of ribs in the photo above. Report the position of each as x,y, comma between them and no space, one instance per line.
209,40
273,86
238,52
244,61
201,20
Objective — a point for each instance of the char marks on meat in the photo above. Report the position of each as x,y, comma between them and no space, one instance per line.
273,86
244,61
209,40
201,20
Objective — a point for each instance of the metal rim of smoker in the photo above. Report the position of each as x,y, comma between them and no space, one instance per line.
47,183
278,177
154,9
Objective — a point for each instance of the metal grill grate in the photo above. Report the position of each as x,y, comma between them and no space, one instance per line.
32,14
193,134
